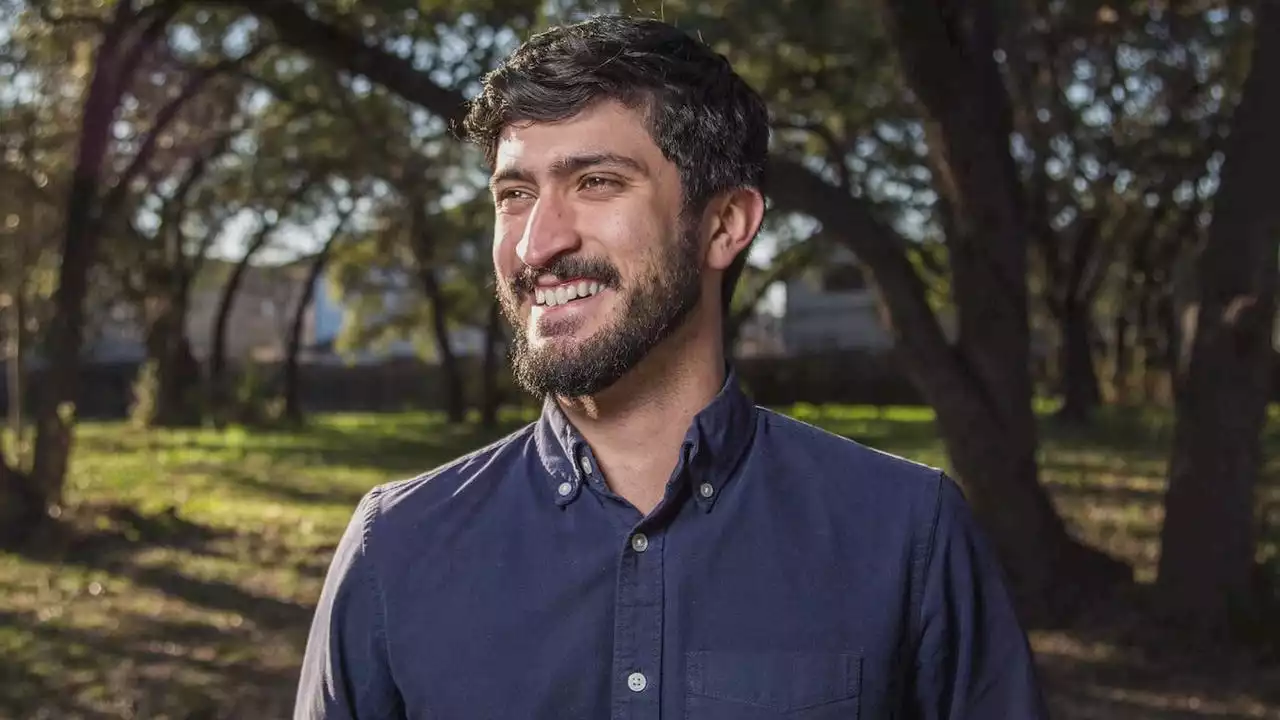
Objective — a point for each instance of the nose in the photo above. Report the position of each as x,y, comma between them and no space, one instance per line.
549,232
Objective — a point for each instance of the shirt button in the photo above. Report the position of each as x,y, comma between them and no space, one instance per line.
639,542
707,490
637,682
585,464
565,488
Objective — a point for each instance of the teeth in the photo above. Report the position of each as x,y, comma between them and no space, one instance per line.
565,293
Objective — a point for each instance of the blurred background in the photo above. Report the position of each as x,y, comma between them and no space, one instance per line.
245,277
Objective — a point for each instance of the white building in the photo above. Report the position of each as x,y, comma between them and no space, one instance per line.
830,307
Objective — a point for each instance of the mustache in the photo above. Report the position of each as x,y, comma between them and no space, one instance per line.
566,266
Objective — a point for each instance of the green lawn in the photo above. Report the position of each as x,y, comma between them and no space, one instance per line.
183,587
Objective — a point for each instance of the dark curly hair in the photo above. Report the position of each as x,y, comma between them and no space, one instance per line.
705,118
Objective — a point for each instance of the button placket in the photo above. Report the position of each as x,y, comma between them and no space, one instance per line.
637,658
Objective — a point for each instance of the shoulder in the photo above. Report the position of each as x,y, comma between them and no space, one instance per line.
850,477
404,500
827,454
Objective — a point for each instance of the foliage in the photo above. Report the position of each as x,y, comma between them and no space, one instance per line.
230,131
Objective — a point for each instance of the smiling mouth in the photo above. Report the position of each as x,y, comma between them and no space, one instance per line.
566,293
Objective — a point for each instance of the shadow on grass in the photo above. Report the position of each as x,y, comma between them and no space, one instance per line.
1118,663
289,490
99,532
157,669
114,549
1138,689
1108,494
151,665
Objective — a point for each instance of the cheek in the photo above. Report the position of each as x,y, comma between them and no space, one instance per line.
628,234
506,261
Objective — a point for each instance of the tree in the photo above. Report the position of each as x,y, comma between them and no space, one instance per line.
126,37
129,118
315,273
421,240
29,220
1209,535
157,273
980,386
297,187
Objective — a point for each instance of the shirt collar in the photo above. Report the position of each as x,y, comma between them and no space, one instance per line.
716,440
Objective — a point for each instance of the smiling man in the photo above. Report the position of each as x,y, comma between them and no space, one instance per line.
654,546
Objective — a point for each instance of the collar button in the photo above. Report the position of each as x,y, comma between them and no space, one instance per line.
707,490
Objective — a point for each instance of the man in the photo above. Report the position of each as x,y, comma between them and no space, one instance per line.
654,546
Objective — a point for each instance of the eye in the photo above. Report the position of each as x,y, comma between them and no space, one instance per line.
599,182
508,196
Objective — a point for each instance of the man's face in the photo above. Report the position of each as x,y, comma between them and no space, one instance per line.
595,264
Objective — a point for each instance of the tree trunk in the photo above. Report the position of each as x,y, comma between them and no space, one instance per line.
16,372
1166,293
1077,287
1162,362
177,401
490,399
1080,392
1209,536
420,239
984,401
292,381
1122,349
1129,322
29,499
455,389
220,393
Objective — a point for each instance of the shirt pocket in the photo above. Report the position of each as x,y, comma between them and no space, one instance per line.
770,685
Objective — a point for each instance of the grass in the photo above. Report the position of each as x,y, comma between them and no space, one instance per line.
183,584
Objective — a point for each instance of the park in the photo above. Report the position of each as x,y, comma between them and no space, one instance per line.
246,277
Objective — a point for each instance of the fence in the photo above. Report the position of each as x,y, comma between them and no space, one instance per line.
106,390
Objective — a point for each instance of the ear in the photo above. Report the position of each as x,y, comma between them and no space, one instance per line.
734,217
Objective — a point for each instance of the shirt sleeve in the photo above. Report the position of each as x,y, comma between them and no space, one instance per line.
973,660
345,671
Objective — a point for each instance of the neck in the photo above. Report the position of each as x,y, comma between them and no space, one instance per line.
636,426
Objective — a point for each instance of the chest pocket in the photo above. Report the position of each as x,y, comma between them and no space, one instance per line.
768,686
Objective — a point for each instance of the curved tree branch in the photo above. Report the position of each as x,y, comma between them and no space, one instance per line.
164,118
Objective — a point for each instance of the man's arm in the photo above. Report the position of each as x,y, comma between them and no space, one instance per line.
973,660
345,673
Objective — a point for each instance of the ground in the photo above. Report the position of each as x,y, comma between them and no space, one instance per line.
183,581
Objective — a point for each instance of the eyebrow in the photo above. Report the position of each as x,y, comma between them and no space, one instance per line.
569,165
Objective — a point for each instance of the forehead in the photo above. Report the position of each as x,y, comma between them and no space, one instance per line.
605,127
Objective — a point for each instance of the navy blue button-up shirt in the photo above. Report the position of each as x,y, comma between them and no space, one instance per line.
787,573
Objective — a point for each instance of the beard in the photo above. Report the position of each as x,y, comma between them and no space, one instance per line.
652,307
